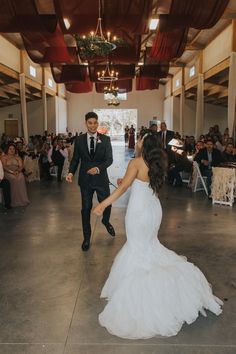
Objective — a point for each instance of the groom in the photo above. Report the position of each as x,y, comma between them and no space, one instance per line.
94,153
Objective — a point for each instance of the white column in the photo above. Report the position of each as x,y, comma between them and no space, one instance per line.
232,93
24,108
181,111
200,107
45,111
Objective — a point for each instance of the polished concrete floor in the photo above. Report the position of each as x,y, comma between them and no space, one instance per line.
49,288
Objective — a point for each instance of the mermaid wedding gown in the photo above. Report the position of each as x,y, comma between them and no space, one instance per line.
151,290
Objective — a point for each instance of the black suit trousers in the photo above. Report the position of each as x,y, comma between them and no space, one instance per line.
87,193
6,190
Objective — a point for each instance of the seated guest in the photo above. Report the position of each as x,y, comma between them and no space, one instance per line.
228,154
13,166
57,155
178,162
6,189
207,158
20,149
153,128
189,146
199,145
202,138
218,144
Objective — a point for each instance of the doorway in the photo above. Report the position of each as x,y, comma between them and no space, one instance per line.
113,121
11,127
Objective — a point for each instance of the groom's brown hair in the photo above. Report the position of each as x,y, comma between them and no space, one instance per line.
91,115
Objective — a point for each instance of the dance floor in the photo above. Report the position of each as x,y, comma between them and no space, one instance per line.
49,288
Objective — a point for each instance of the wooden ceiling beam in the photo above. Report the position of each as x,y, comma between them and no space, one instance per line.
212,91
217,68
195,46
10,90
223,94
4,94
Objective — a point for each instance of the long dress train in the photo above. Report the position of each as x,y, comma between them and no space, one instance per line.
151,290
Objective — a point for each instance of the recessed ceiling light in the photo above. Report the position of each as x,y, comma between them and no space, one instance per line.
153,24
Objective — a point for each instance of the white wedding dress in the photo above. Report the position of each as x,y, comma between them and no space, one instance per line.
151,290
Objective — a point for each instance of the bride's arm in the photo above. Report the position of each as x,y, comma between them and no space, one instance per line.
128,179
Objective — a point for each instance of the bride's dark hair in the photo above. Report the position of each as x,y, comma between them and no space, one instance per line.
155,159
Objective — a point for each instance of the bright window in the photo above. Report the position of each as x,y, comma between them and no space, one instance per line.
177,83
120,96
192,71
50,83
32,71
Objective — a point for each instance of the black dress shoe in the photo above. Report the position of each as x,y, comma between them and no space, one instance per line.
85,245
110,229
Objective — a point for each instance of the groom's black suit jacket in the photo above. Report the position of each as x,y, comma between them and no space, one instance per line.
102,159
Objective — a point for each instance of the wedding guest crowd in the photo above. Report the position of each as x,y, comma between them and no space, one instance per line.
21,162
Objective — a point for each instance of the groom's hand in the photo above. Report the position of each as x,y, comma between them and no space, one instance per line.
69,178
93,171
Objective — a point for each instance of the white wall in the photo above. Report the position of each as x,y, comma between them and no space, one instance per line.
218,50
215,115
189,117
51,107
168,112
61,115
148,103
9,55
176,114
212,115
10,110
35,115
34,112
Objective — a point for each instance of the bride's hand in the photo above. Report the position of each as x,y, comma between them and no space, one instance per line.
99,209
119,181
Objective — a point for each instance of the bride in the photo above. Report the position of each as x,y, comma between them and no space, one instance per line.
150,290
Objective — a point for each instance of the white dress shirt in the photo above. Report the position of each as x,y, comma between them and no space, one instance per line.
95,136
163,139
89,135
1,171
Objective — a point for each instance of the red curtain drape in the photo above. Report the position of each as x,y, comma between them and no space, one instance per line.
199,14
22,15
69,73
79,86
154,71
46,47
169,45
145,83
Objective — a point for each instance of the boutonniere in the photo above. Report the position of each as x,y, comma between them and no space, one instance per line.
99,141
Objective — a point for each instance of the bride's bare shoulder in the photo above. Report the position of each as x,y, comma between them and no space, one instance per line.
139,161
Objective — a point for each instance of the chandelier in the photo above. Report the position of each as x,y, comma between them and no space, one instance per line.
95,43
111,89
113,101
107,75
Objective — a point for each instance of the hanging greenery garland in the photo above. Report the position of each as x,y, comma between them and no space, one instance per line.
91,46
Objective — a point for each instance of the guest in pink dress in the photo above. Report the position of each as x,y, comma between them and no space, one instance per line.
13,166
